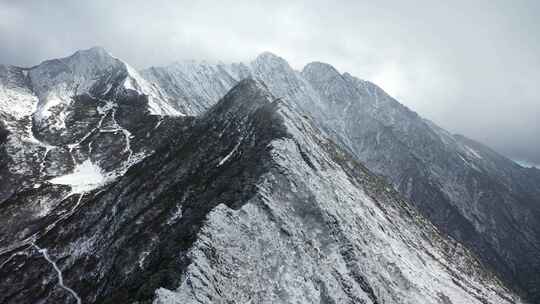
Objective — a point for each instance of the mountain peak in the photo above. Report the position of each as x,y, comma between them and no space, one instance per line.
266,55
288,174
270,59
97,50
82,63
320,70
93,58
244,98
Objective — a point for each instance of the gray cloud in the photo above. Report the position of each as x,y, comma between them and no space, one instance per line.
473,68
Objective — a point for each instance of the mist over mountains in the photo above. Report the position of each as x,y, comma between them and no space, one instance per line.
472,68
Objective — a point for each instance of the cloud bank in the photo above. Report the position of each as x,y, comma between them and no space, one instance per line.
473,68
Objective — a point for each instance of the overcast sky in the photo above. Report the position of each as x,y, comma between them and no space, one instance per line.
472,67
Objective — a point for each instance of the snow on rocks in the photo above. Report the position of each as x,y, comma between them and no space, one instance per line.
56,82
58,271
320,228
156,105
472,152
222,161
16,97
85,177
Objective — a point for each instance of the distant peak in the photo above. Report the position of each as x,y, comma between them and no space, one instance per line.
267,54
88,59
250,84
320,69
93,51
244,98
270,57
192,63
98,49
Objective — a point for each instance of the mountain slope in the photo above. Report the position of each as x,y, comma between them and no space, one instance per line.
68,126
468,191
249,203
53,113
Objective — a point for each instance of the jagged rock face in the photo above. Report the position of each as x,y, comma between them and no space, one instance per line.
190,87
92,71
468,191
248,203
195,87
17,103
59,114
93,132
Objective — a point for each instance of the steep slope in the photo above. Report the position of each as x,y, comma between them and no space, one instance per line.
191,87
68,126
468,191
92,71
53,113
197,86
250,204
17,103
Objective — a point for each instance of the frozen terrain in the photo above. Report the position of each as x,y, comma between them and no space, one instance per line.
119,186
288,217
467,190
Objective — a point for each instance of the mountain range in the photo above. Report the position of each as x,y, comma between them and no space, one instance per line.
249,183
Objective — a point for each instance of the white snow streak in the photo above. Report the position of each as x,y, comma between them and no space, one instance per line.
159,122
229,155
526,164
59,273
22,252
473,152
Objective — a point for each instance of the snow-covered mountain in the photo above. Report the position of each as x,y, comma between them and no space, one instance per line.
58,114
467,190
250,204
118,186
69,126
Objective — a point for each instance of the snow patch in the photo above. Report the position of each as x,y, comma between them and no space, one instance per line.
85,177
43,111
142,258
166,296
18,102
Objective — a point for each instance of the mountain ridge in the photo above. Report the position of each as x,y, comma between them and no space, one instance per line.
324,123
249,195
433,168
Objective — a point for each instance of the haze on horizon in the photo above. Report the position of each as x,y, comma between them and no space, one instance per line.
471,68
